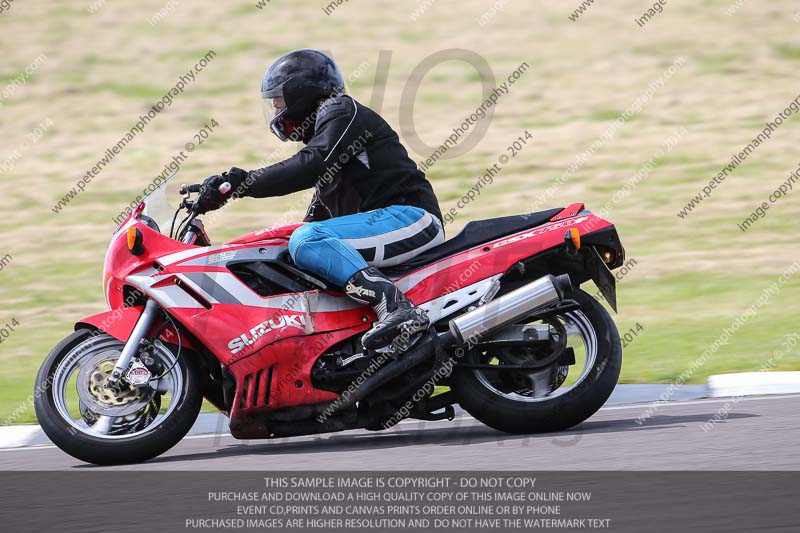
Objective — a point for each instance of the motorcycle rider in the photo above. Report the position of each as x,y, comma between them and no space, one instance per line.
372,206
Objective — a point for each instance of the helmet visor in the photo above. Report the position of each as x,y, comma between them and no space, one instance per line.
272,107
274,110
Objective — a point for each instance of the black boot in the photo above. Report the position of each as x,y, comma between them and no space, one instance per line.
399,321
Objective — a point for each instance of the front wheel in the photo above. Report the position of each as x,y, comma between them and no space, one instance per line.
552,398
85,418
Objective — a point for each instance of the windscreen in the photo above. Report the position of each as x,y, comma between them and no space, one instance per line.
157,202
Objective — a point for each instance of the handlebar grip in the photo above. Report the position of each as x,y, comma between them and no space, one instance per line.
189,188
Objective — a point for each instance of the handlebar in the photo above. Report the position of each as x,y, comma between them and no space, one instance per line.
193,228
186,189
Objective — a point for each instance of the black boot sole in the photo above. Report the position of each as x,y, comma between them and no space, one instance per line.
402,336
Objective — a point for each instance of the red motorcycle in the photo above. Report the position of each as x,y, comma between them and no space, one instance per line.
278,351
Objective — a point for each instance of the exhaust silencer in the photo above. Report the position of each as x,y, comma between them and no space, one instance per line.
470,327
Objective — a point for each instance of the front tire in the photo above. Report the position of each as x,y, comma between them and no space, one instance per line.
132,438
560,409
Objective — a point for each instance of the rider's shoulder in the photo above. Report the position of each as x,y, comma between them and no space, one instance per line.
336,106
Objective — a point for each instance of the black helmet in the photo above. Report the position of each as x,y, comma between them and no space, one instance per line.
301,78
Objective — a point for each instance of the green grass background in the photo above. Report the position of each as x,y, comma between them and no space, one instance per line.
693,277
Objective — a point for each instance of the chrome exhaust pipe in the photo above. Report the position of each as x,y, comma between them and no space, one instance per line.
472,326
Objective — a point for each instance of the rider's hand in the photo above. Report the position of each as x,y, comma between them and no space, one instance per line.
238,180
211,198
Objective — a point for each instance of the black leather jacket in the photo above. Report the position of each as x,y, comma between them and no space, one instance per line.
355,161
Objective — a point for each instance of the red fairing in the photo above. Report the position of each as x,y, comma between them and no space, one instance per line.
277,232
569,211
120,322
493,258
120,263
270,343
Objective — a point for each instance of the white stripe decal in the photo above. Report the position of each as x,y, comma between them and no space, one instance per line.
345,130
395,235
402,258
180,256
408,281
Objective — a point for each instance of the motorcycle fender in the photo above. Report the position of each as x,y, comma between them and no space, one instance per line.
119,323
603,278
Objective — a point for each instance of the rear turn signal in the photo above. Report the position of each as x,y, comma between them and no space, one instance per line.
572,240
135,241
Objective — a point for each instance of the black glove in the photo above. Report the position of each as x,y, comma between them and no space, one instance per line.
238,180
211,198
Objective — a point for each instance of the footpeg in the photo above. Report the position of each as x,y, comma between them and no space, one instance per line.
398,331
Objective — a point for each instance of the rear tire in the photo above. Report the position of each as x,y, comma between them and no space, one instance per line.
559,412
119,450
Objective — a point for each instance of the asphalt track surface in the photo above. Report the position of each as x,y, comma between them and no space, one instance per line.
758,433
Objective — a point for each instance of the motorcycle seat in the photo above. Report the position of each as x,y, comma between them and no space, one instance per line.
474,234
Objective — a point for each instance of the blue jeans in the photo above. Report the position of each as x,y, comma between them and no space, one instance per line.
337,248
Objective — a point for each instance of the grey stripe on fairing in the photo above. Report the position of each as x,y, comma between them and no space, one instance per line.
241,254
168,296
235,288
239,293
206,286
173,296
327,303
147,272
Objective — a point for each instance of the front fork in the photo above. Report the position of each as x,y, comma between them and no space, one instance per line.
145,324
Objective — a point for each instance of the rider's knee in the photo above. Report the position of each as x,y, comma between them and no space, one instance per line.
305,234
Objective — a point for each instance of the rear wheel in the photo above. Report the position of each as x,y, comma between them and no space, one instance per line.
88,420
552,398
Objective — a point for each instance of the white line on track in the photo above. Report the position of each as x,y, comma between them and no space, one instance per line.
641,406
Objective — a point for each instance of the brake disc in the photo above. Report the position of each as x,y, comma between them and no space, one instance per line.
96,395
550,376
